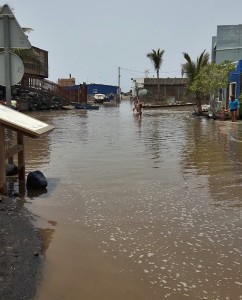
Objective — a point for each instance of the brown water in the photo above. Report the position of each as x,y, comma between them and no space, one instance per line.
138,209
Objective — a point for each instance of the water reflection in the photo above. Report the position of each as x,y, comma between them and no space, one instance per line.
146,209
46,235
31,194
214,150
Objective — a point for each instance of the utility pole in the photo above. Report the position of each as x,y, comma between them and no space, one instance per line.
119,94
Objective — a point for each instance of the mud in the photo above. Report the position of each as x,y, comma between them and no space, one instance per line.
20,248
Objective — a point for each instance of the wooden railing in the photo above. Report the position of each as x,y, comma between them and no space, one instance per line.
49,86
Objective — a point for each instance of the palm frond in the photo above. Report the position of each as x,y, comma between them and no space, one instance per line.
202,60
26,29
187,57
156,58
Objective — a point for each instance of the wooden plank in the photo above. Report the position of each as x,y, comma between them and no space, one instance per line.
20,122
2,161
21,159
14,150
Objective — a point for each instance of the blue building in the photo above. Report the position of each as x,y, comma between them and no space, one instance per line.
94,88
110,91
235,80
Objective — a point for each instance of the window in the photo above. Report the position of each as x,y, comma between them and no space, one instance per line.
232,89
94,91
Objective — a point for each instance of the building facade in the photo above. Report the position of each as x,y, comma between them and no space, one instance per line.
74,90
235,80
67,81
40,71
227,44
172,90
94,88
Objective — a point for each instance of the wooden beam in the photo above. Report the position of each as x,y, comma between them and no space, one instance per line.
21,159
14,150
21,164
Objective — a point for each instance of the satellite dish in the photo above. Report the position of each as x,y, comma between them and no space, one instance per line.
142,92
16,68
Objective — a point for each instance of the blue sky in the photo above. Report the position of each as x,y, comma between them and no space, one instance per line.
91,39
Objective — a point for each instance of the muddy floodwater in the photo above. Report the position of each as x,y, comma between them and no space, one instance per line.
135,209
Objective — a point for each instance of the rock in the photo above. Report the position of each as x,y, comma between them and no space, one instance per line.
31,99
36,180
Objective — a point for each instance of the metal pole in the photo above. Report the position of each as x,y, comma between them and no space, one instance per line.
7,73
7,59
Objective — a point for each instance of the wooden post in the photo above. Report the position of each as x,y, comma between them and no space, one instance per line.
23,125
2,161
21,164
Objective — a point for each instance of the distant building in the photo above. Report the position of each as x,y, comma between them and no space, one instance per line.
172,90
94,88
227,45
36,70
234,86
35,73
67,81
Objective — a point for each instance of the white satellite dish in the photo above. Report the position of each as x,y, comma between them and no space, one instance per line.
16,68
142,92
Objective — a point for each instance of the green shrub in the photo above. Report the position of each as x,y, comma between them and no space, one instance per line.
240,108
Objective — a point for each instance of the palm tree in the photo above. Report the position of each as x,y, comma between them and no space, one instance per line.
29,55
156,58
192,69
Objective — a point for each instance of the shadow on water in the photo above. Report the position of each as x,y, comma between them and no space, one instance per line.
31,194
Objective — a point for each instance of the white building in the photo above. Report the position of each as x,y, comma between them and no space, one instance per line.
227,45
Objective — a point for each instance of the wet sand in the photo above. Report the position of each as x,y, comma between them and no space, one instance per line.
20,247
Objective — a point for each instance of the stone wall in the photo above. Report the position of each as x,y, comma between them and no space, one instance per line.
29,99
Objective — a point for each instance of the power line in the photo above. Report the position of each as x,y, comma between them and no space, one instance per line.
142,72
131,70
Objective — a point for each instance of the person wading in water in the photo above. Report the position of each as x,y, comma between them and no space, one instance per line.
138,107
234,107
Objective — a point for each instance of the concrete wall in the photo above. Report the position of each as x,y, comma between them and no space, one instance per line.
172,90
227,45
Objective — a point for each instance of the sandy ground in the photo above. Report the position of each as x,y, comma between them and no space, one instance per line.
20,252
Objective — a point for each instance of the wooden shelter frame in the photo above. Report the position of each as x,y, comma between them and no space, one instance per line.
23,125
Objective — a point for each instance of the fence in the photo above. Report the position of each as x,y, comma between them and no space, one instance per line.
49,86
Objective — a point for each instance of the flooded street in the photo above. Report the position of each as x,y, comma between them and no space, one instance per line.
138,209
